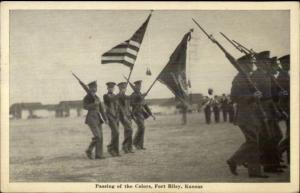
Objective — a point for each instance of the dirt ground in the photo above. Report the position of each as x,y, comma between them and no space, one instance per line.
52,150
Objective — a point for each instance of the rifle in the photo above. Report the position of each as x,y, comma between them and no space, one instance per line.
234,45
274,80
146,110
247,76
87,90
84,86
244,48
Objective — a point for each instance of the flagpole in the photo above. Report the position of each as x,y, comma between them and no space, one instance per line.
131,69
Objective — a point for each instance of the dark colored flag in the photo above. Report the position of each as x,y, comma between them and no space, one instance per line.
174,73
126,52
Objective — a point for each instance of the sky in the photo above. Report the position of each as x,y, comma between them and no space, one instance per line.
46,45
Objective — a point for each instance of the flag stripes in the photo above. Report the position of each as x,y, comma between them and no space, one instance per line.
126,52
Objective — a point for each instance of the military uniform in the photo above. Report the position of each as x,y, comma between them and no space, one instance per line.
139,113
208,106
216,110
249,124
284,80
112,112
224,104
230,110
94,119
207,111
125,118
268,145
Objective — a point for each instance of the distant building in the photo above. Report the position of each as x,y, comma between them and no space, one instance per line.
162,106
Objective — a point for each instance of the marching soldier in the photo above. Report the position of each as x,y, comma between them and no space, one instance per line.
268,144
112,112
94,119
284,80
140,114
247,120
125,117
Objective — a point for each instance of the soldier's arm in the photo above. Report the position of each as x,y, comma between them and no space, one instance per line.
240,92
102,112
87,105
106,100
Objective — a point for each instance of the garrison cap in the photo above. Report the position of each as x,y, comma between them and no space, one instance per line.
122,84
110,84
92,84
264,55
285,59
138,82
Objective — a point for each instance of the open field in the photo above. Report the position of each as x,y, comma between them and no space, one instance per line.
52,150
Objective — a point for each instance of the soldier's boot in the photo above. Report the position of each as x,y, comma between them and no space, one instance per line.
89,151
125,149
99,148
232,167
254,171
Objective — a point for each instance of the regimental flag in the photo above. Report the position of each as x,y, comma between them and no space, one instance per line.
126,52
174,73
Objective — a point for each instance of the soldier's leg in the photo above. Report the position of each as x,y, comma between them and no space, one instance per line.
139,133
98,140
206,116
224,115
248,151
127,143
93,141
114,146
92,145
142,134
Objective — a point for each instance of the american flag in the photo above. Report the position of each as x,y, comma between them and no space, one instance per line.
126,52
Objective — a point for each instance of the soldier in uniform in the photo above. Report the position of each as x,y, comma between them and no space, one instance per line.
224,104
230,109
125,117
216,109
284,80
268,144
207,106
94,119
247,120
139,114
112,112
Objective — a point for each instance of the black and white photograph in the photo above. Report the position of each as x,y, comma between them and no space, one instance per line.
151,98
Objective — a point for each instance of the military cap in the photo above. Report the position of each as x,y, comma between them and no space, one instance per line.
284,59
92,84
264,55
122,84
138,82
273,60
110,84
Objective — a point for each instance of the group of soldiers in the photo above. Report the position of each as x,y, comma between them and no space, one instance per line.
217,105
260,92
259,112
119,108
